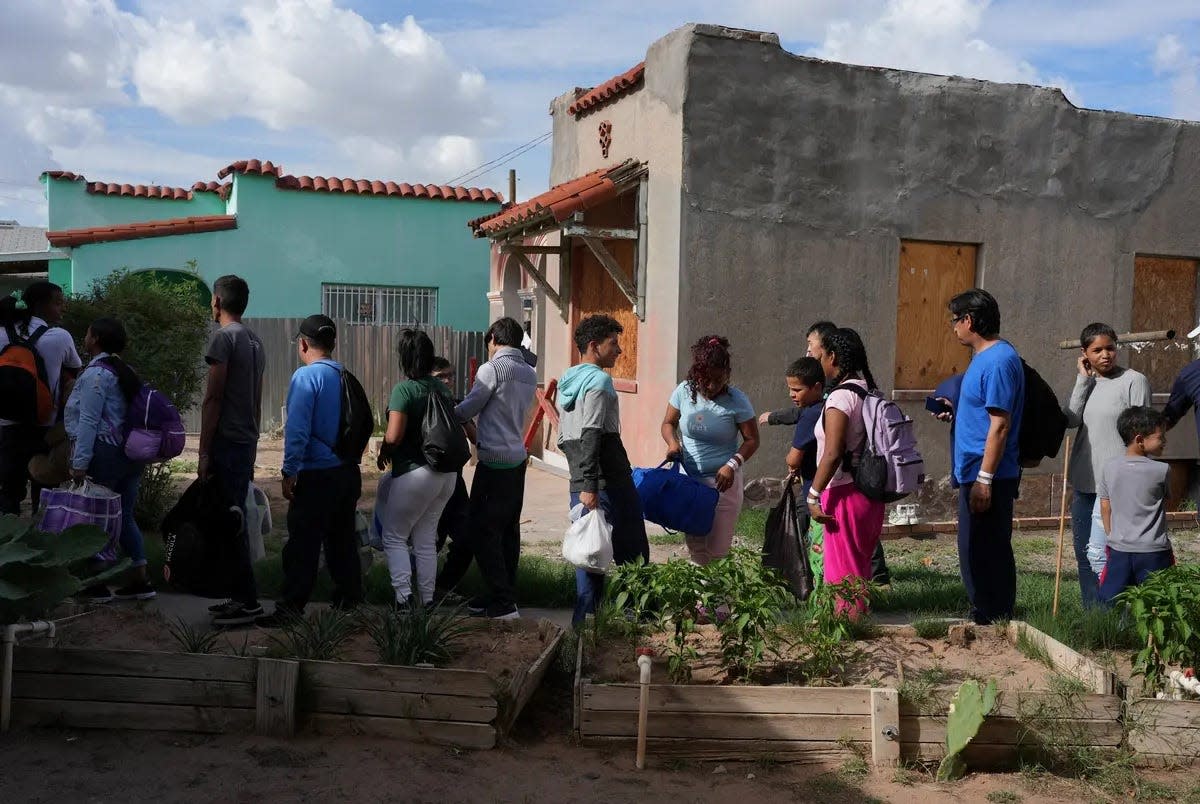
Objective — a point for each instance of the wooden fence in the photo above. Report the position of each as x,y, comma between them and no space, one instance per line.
368,351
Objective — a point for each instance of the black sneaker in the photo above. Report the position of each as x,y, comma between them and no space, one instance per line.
96,593
445,597
499,612
478,605
405,607
218,608
138,590
239,615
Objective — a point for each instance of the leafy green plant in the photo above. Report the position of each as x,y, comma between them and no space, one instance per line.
1164,610
322,635
631,590
167,323
39,570
753,599
192,639
156,495
970,705
418,636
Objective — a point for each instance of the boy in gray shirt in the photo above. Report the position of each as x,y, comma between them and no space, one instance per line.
1133,504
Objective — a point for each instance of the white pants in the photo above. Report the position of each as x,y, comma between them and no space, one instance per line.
414,506
706,547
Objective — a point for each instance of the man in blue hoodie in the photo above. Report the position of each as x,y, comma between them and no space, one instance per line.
590,437
321,487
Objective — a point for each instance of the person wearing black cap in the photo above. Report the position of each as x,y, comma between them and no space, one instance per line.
322,488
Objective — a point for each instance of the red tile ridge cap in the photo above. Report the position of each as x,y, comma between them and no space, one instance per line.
127,190
251,166
333,184
611,90
140,229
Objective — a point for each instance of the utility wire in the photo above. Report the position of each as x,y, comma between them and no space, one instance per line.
513,154
477,177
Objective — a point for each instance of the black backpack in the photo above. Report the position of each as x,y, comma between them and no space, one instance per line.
200,535
357,421
1043,423
443,440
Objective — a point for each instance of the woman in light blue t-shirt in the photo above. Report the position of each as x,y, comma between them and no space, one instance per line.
710,425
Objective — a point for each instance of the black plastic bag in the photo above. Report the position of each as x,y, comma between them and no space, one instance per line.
785,543
200,536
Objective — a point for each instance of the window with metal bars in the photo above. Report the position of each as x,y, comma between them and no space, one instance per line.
380,304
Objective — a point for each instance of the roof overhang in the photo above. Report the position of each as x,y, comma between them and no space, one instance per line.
135,231
32,256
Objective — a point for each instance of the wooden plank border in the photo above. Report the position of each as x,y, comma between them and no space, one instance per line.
1068,660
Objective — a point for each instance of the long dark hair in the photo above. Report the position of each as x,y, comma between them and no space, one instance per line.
850,356
710,356
111,337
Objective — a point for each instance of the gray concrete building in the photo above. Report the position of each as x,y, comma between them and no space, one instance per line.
744,190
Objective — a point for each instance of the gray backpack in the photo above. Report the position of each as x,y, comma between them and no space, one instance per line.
891,466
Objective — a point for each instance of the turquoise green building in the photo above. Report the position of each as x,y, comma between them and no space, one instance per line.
363,251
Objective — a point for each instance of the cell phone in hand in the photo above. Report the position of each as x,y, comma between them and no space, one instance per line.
936,406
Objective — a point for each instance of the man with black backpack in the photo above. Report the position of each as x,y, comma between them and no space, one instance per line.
322,447
987,425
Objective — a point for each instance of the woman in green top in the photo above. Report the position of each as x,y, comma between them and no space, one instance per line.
418,494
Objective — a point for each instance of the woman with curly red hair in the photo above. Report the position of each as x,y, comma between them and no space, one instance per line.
711,426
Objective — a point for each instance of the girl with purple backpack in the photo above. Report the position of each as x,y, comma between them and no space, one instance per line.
94,417
853,522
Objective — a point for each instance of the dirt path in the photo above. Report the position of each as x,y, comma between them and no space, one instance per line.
539,764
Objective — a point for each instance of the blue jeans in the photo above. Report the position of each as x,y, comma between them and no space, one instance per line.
1122,570
110,467
623,508
1087,532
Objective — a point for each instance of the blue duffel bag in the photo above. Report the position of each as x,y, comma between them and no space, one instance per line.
676,500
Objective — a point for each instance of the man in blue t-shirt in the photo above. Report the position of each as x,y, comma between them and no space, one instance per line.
987,421
322,487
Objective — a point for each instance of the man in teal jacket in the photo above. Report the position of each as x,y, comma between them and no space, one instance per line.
590,438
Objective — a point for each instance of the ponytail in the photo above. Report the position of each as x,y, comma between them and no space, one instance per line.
850,356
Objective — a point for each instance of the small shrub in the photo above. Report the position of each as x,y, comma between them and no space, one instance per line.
156,495
418,636
192,639
320,636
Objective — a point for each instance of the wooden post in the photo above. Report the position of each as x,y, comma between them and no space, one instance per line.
885,726
275,709
512,186
1062,525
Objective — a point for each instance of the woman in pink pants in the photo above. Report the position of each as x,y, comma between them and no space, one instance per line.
853,523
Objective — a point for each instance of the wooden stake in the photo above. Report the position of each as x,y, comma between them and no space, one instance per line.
1062,525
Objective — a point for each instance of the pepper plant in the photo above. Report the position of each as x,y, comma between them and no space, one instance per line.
1165,609
753,600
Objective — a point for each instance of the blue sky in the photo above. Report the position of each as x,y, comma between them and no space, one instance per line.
155,91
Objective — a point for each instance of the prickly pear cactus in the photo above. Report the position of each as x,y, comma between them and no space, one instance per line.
970,705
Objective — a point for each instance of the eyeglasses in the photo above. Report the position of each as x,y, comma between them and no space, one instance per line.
955,319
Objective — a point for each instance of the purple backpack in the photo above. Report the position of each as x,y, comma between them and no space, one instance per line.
153,427
890,467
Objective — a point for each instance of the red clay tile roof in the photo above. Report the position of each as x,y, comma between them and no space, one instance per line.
138,190
134,231
609,91
213,187
559,202
250,166
332,184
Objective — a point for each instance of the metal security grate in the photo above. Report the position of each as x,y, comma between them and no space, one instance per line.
380,304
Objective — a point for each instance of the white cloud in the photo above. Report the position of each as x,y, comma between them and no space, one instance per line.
310,64
934,36
1173,59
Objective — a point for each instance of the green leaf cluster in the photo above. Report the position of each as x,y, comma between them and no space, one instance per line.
1165,610
167,324
39,570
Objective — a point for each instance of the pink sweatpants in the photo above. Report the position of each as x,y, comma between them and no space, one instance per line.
706,547
851,537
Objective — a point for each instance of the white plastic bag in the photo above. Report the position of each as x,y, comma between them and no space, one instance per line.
258,520
588,543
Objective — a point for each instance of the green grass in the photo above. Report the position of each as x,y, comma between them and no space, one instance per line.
666,539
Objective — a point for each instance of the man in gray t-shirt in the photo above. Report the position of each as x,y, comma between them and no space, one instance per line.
229,420
1132,489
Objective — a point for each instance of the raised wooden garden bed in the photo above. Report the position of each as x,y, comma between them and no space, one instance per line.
1163,731
815,724
121,689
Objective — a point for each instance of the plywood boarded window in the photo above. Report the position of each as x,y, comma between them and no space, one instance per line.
1164,297
594,292
930,275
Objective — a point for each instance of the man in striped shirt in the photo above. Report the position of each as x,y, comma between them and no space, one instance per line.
498,401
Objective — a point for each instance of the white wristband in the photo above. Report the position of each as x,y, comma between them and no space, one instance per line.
733,464
984,478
